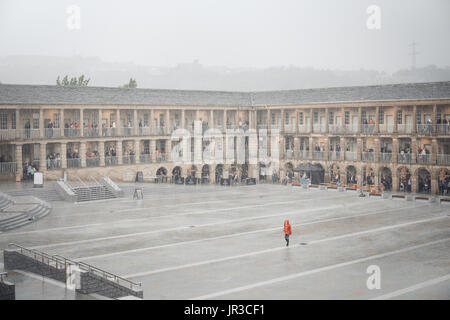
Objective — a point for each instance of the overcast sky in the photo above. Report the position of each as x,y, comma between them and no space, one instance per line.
235,33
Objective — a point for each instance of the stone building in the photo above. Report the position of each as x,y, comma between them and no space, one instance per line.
396,133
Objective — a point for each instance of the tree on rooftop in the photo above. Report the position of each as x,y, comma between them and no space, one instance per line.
131,84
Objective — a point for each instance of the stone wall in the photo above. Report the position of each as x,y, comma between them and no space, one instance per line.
92,283
7,291
16,260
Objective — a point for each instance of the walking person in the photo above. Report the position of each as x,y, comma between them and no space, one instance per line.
287,231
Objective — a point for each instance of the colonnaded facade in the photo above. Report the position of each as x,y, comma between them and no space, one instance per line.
398,135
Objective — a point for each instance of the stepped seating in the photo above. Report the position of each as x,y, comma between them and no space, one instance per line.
5,201
91,193
37,210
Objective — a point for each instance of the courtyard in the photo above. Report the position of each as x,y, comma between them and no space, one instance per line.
216,242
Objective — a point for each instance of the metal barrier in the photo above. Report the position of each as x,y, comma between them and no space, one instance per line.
60,262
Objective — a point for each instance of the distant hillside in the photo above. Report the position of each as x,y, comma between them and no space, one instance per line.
44,70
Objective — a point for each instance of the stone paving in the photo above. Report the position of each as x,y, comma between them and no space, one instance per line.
213,242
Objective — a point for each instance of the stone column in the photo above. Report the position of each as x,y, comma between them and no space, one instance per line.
377,119
395,121
63,155
311,148
83,154
167,131
118,129
311,120
152,121
414,149
81,122
296,147
183,120
119,152
359,149
135,122
43,157
269,119
414,129
343,148
377,149
101,153
327,147
394,150
224,122
359,119
168,150
19,164
434,151
41,123
153,149
282,120
137,151
327,120
296,121
394,180
211,119
434,117
434,182
61,122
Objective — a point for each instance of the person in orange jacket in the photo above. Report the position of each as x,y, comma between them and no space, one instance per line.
287,231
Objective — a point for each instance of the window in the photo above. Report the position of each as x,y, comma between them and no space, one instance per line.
300,118
286,117
146,120
363,116
316,117
399,117
35,123
3,121
330,117
146,147
13,121
112,118
418,117
129,120
56,120
381,117
272,117
347,117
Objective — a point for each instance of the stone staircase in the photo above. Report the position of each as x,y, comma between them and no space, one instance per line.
47,194
20,213
91,193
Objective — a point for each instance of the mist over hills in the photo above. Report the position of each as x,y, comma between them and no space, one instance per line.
195,76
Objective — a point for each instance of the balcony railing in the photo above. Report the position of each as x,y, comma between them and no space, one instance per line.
145,158
7,134
443,128
144,131
404,128
424,158
386,128
306,128
443,159
126,131
73,163
368,156
92,161
303,154
334,156
425,129
52,133
72,132
128,159
7,168
351,128
350,156
90,132
111,161
289,154
319,128
385,157
109,132
289,128
368,128
404,157
161,158
336,129
53,164
319,155
28,133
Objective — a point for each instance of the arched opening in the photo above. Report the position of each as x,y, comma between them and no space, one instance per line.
262,171
218,173
176,176
386,178
161,174
289,171
404,179
243,171
423,181
443,177
205,174
317,174
335,174
369,176
351,175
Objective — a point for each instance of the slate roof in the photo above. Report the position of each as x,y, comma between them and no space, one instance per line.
45,94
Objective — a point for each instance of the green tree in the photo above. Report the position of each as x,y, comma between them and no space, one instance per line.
81,81
131,84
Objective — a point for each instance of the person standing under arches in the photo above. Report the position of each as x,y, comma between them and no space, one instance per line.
287,231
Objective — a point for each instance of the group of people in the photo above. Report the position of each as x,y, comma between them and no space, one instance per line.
53,161
444,186
29,170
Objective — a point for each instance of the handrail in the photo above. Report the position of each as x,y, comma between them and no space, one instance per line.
63,261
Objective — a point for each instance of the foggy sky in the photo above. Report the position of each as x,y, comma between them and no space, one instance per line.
234,33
